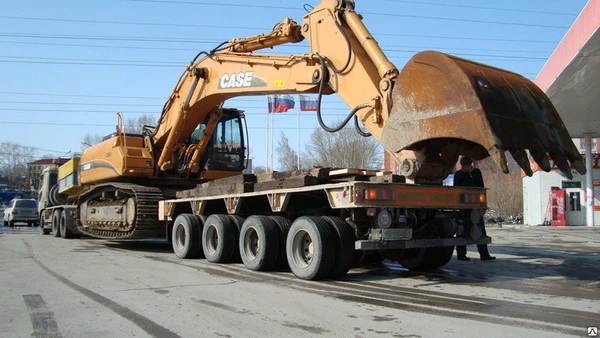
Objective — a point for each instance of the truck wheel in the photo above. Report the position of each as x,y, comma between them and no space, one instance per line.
344,249
187,231
438,256
219,237
259,243
65,230
238,221
56,223
310,248
283,225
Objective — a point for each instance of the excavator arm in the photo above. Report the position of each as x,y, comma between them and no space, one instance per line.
437,108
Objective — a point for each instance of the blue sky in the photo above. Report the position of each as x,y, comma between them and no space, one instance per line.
68,66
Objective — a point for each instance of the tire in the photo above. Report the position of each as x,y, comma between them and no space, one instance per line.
310,248
425,258
56,222
187,232
344,249
5,223
65,230
30,224
238,221
283,225
438,256
46,231
11,224
219,237
259,243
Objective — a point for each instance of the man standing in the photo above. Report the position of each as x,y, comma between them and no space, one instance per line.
468,176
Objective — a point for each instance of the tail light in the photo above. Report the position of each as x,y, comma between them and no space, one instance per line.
380,194
14,212
473,197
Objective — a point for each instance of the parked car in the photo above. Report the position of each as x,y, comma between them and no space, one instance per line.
21,210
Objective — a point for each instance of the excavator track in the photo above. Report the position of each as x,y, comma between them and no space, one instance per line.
137,222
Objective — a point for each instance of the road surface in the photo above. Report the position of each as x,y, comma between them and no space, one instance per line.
545,283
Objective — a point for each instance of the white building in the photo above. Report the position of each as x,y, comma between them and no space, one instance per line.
536,195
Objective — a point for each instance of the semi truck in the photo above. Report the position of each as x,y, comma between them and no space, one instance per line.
182,179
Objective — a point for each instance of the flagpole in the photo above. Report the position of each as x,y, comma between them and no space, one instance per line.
298,131
267,141
272,132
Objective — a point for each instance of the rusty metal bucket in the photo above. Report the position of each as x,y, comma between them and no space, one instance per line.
443,104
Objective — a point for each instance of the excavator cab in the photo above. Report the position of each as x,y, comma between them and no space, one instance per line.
227,149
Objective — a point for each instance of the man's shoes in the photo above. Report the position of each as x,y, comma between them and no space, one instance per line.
464,258
488,258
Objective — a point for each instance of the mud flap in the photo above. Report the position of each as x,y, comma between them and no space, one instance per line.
444,106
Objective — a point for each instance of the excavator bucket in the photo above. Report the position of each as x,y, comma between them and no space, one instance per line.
441,104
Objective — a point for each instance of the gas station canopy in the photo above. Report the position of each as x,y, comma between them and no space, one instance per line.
571,76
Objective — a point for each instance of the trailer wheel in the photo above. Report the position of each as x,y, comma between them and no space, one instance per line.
310,248
259,243
219,238
438,256
65,230
344,249
425,258
283,226
187,231
56,222
238,221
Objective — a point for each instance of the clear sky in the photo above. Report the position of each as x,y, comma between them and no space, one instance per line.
68,66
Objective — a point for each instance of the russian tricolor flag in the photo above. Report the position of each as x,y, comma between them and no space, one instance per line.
308,103
280,103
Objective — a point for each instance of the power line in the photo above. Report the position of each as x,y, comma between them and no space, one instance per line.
417,48
246,5
155,24
85,104
196,41
112,125
149,112
480,7
95,60
365,13
83,95
88,63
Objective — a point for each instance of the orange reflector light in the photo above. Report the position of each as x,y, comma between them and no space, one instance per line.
472,198
380,194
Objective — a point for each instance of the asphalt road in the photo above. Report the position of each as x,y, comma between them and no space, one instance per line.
545,283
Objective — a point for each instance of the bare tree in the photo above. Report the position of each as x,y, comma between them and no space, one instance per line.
134,125
90,140
505,191
345,148
287,157
259,170
13,164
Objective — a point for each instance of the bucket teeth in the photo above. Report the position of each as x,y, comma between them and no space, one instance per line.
540,156
500,159
522,160
579,165
562,164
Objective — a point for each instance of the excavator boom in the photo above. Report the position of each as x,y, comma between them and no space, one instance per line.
437,108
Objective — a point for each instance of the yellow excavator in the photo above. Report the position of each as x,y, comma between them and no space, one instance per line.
437,108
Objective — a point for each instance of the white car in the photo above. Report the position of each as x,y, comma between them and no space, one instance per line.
21,210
